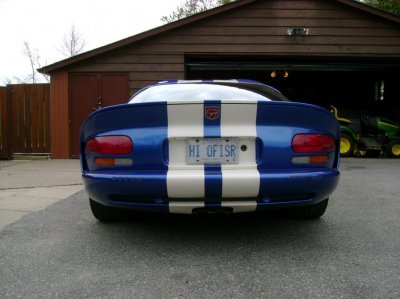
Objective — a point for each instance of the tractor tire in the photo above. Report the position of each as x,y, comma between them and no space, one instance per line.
346,145
103,213
393,149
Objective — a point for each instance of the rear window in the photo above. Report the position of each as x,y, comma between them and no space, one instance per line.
203,92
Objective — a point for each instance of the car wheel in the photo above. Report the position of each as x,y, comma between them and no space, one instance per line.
309,212
346,145
103,213
393,149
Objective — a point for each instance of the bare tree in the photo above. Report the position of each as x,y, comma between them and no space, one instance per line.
191,7
7,81
73,43
33,56
34,62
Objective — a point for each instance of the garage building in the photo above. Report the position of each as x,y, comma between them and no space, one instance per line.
326,52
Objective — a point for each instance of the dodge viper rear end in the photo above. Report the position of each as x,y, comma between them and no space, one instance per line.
210,146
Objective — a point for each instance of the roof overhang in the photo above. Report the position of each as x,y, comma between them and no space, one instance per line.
183,22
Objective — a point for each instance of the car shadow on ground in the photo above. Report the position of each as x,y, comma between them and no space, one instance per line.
219,229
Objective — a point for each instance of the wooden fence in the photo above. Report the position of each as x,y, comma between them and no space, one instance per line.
25,119
5,152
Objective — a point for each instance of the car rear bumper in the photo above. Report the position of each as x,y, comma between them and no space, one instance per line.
148,191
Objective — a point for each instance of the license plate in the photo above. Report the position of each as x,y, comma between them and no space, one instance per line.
212,151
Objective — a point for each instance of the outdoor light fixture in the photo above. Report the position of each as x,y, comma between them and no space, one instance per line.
283,74
298,31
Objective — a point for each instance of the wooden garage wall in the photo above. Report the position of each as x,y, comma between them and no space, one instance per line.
259,28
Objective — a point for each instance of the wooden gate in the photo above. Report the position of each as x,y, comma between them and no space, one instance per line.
25,119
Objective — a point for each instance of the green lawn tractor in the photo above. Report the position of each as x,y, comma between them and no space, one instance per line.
386,131
367,136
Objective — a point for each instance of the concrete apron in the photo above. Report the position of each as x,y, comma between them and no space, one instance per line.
28,186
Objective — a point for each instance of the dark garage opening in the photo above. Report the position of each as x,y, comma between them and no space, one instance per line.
364,86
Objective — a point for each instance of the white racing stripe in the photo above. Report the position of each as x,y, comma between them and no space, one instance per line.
226,81
184,181
187,207
185,120
189,81
238,120
242,180
237,183
240,206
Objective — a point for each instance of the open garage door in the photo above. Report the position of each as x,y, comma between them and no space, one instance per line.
368,86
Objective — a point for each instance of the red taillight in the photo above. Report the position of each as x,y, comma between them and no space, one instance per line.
106,145
313,143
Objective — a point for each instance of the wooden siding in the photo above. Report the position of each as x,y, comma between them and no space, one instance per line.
143,69
273,31
258,28
59,116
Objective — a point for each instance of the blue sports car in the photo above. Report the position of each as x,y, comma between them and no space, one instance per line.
210,146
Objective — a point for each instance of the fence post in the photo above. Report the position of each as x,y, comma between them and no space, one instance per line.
3,128
6,124
9,126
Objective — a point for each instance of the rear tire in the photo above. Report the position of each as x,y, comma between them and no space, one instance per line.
309,212
393,149
103,213
346,145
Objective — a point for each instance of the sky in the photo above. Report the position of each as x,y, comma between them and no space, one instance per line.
44,23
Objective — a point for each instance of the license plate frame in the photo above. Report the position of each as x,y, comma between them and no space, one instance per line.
212,151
